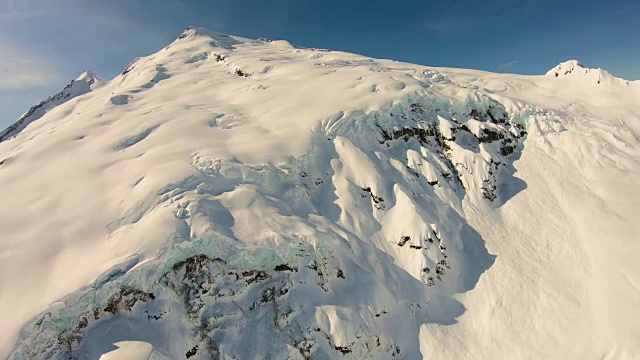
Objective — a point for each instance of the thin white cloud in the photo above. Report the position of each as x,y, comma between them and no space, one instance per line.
107,32
463,16
15,11
23,69
508,64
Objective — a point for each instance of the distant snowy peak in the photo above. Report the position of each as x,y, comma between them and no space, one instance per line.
219,40
229,42
192,31
85,83
87,77
566,68
575,70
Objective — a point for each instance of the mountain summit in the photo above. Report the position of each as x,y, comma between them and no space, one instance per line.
574,70
566,68
230,198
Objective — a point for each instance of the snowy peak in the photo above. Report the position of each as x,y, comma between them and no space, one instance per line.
566,68
219,40
89,77
224,41
86,82
192,31
573,69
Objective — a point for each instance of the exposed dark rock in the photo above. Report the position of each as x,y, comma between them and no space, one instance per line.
493,114
343,349
155,317
305,347
489,135
404,240
83,323
422,135
270,295
129,67
192,352
252,276
378,201
193,277
417,108
507,147
125,299
241,73
185,32
285,267
383,312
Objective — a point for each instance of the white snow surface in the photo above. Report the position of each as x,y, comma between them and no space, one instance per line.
237,199
129,350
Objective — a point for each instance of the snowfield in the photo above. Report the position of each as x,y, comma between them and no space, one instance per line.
228,198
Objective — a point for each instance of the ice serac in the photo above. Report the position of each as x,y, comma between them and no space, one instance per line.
86,82
229,198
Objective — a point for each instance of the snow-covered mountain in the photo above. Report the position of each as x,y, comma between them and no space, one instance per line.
228,198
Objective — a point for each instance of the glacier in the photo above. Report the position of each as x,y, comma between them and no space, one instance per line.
229,198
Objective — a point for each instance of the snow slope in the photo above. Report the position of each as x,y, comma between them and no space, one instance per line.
236,198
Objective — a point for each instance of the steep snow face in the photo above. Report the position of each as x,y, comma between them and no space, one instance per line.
237,198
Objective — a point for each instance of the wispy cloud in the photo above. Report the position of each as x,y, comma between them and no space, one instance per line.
456,16
443,25
19,10
41,46
22,69
508,64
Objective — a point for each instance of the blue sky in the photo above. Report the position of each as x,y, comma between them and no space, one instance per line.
46,43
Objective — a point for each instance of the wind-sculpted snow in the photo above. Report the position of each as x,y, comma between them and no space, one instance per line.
343,252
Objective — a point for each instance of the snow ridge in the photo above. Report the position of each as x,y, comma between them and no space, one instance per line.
86,82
